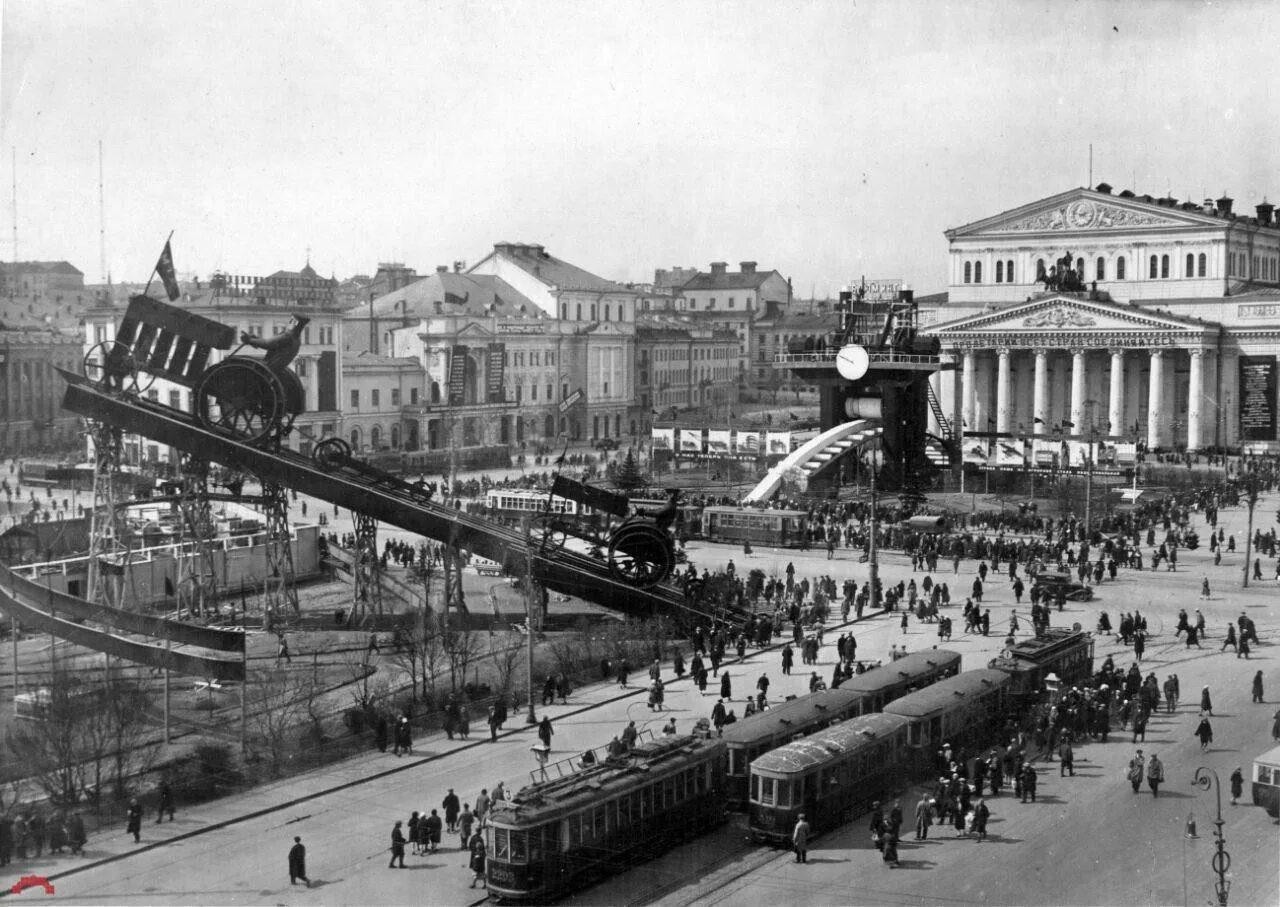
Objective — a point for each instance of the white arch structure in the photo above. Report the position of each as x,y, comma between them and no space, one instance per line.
812,456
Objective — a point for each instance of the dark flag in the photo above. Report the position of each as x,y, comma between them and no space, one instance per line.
1039,421
1068,424
164,267
168,588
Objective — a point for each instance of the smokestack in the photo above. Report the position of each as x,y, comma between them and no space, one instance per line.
748,267
718,268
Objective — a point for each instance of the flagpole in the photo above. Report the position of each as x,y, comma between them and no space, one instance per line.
156,267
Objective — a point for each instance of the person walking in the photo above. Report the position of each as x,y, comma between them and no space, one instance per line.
1237,785
1205,732
1155,774
1066,759
166,802
726,687
451,807
477,860
800,840
545,732
924,817
1257,687
397,846
133,818
981,814
433,825
1137,768
298,863
1206,703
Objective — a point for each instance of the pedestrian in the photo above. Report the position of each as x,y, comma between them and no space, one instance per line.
76,833
493,724
1206,704
134,820
800,840
545,732
1257,687
477,861
1237,785
482,806
726,687
1204,588
397,846
1137,768
282,648
1066,759
623,668
298,863
924,817
1205,732
433,825
1155,774
451,808
416,833
166,802
466,823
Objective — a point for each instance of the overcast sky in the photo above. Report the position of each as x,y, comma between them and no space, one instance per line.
826,140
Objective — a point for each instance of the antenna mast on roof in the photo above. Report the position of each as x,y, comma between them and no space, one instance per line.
102,218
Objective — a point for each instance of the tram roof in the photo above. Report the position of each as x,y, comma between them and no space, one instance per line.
648,760
826,746
945,692
915,665
734,508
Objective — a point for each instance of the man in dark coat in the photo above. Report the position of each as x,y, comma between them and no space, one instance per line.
166,802
451,809
298,863
133,817
397,846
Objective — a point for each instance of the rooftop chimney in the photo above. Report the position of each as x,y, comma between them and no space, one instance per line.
1264,212
1104,188
718,268
1207,207
1224,205
1127,193
748,267
442,269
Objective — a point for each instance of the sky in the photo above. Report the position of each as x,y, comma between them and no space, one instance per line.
828,140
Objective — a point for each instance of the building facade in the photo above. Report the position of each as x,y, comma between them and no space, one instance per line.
384,396
32,419
1143,319
682,364
40,279
734,301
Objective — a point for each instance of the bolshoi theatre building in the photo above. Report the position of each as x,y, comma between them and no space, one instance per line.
1152,320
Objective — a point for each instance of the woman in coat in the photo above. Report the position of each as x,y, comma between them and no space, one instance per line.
726,687
545,732
1206,704
477,860
1237,785
1205,733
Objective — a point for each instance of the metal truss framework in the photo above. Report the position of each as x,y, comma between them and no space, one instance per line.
366,571
281,592
197,585
108,530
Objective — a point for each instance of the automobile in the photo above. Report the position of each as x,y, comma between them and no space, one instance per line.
1051,584
607,444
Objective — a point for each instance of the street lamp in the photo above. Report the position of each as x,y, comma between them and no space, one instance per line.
1204,779
1250,479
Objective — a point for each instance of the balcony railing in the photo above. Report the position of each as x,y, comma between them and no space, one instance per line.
828,357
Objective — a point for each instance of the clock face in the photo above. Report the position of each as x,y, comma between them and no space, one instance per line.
852,362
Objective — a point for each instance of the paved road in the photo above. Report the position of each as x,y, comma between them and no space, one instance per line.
1088,840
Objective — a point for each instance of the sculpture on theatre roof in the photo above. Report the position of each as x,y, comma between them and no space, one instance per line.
1059,317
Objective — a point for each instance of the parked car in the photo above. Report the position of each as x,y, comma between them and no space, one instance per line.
1051,584
607,444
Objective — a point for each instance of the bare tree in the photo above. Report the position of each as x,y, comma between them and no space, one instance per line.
506,653
277,710
55,745
463,646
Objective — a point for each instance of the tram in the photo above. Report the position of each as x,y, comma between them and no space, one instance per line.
558,835
772,528
749,738
1067,653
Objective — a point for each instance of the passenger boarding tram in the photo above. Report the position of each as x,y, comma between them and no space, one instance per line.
751,737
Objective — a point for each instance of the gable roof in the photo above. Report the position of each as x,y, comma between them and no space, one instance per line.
1060,313
537,261
477,295
729,280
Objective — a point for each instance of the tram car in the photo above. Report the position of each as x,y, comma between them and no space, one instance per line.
770,528
557,836
833,775
1066,653
829,777
750,738
239,394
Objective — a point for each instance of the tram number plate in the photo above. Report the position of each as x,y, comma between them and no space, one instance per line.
501,874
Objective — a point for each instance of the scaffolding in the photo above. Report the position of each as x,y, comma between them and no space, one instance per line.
108,529
366,571
280,599
197,586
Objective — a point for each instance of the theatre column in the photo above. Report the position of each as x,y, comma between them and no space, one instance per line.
1155,400
1041,407
1115,412
1195,394
1003,415
969,385
1077,389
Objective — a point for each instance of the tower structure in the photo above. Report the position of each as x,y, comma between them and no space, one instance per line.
366,570
108,530
281,592
197,574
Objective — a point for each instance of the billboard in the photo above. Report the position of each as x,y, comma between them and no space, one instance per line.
718,442
975,452
747,443
690,440
778,442
663,438
457,376
1009,453
497,361
1257,398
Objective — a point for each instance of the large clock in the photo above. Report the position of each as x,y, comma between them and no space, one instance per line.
852,362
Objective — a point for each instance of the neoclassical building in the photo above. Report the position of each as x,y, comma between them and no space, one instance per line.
1167,336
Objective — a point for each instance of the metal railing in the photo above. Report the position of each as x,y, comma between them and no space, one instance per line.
828,356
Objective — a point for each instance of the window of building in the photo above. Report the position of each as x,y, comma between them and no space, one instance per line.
375,396
1120,268
731,302
355,398
549,393
395,396
593,311
1155,266
413,396
519,393
1191,265
968,272
533,393
999,272
1100,269
1164,266
606,312
977,272
579,315
175,399
1008,271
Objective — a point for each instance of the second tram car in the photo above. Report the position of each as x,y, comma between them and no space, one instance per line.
1068,653
555,836
774,528
752,737
963,710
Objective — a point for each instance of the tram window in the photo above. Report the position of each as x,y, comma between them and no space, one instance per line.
755,788
784,793
766,791
602,823
669,793
1264,775
646,801
624,812
502,844
734,763
575,830
913,736
700,776
519,847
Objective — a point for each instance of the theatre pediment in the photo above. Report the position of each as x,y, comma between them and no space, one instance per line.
1084,211
1060,314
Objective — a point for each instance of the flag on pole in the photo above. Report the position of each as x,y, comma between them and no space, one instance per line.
164,267
1068,424
1039,421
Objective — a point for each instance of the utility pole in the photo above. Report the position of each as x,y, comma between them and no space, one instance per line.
1251,493
874,597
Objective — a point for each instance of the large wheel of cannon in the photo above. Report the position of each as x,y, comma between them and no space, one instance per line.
240,395
115,367
640,553
331,453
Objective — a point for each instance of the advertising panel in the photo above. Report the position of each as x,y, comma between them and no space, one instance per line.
690,441
1126,454
457,376
1009,453
1257,398
664,438
747,443
975,452
1046,454
779,442
718,442
495,373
